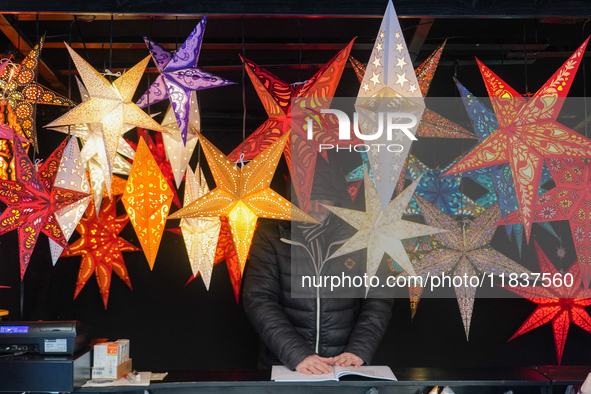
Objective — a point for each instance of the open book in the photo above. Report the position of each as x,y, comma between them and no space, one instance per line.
281,373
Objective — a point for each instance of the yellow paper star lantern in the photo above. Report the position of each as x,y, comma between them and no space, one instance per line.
147,200
243,194
109,104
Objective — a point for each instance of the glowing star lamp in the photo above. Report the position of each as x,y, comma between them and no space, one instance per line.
147,200
243,194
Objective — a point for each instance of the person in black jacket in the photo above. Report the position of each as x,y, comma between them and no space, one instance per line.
300,327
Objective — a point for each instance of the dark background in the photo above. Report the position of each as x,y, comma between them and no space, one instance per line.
173,326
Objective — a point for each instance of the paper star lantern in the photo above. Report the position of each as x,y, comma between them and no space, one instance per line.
464,250
225,251
288,107
243,194
381,231
147,200
560,305
200,234
100,247
498,179
178,151
156,147
528,133
70,176
19,93
179,76
569,200
389,84
33,201
94,152
109,104
444,193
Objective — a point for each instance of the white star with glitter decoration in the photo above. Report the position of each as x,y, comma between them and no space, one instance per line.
376,61
375,79
401,63
401,79
397,34
399,48
378,47
375,167
381,34
412,88
365,87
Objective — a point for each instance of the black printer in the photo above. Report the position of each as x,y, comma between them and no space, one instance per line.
43,337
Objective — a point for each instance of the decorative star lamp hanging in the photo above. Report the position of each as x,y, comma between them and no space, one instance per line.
156,147
100,247
225,251
20,92
179,151
569,200
243,194
381,231
147,200
289,107
389,84
464,250
200,234
179,76
528,133
94,152
33,201
497,179
109,104
70,176
444,193
559,305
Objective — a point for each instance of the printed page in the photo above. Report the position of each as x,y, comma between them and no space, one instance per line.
281,373
369,371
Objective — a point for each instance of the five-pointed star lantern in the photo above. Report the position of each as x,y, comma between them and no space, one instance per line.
109,104
464,250
71,176
569,200
179,76
243,194
100,247
561,305
432,125
497,179
157,150
381,231
389,85
200,234
528,133
444,193
94,152
225,251
178,151
289,107
147,200
20,91
33,201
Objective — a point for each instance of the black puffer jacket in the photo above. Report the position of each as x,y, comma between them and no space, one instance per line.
295,328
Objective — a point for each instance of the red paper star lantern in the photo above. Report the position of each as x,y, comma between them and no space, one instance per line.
561,305
100,247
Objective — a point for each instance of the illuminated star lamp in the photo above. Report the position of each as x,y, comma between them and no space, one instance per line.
109,104
179,76
381,231
33,202
147,200
243,194
463,250
100,247
289,107
528,133
389,84
559,305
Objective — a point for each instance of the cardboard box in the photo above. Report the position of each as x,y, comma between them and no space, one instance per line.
111,354
114,372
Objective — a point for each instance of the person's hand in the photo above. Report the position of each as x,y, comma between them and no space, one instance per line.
346,359
586,387
315,364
